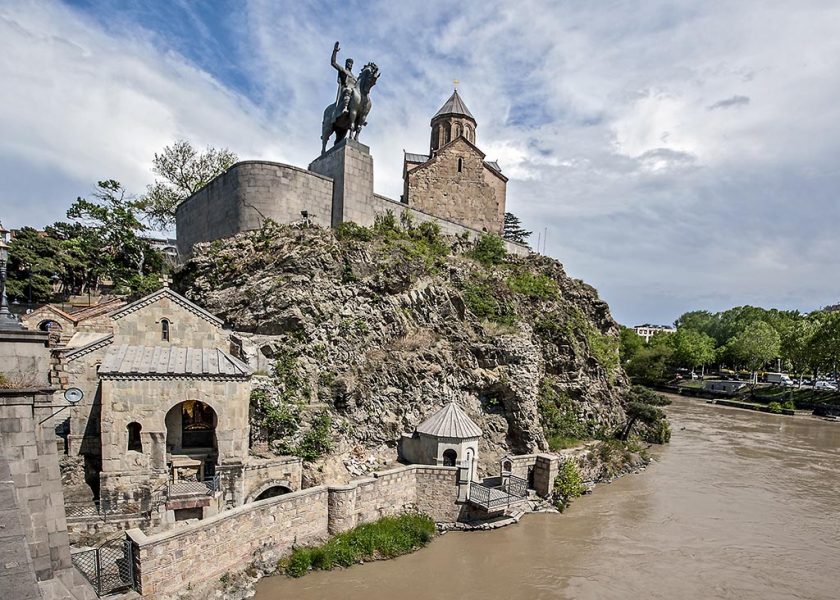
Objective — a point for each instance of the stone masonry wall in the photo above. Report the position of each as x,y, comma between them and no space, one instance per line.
465,195
169,562
247,194
142,327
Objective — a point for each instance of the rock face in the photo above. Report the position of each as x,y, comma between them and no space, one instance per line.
380,327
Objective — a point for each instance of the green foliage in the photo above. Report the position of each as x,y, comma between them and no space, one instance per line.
484,302
34,259
629,344
775,407
388,537
348,230
692,348
534,286
642,405
316,442
568,484
287,377
755,345
658,432
385,225
558,418
273,420
489,250
651,364
789,404
183,171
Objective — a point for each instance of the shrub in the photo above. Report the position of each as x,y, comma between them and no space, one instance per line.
348,230
568,484
484,303
775,407
316,441
535,287
489,250
559,421
789,404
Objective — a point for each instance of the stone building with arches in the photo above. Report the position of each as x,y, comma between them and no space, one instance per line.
165,412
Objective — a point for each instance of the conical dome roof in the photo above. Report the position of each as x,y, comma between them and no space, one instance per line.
454,106
450,422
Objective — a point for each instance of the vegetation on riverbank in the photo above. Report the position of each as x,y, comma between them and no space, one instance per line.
567,485
388,537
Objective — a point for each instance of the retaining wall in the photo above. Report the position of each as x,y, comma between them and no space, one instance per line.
171,561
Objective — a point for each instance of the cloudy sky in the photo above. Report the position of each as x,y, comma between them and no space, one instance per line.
681,155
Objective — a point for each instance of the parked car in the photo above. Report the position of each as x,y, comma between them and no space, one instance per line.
824,385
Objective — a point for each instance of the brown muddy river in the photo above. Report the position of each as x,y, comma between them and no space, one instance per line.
741,505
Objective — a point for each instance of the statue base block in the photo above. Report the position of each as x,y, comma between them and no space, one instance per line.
350,166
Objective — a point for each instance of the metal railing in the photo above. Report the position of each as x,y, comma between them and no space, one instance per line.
489,498
208,487
515,486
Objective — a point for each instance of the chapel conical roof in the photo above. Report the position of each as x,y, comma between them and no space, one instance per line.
454,106
450,422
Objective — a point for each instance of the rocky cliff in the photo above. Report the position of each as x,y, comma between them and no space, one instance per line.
359,334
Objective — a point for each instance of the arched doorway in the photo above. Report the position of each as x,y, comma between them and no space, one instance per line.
191,440
450,458
272,492
50,326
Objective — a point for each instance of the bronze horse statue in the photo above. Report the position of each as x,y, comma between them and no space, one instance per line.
357,110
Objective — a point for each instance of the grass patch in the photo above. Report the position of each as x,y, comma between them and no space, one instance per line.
386,538
484,303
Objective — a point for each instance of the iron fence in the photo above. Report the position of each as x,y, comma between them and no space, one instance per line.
109,568
489,498
516,486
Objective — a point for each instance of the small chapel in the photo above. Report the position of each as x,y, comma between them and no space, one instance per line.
164,411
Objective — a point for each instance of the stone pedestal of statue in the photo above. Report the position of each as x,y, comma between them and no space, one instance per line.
350,166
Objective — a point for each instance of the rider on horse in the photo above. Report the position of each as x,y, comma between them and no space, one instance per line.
346,82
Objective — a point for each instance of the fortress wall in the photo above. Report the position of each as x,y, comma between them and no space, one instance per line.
240,199
247,194
201,552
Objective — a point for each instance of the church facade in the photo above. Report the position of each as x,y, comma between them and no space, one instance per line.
165,413
454,181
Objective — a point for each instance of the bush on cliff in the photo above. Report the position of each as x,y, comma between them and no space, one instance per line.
386,538
489,250
568,484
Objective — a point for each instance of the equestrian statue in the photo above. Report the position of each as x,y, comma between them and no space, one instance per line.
349,112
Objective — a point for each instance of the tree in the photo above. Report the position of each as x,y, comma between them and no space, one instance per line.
826,341
652,363
106,237
183,171
796,342
692,348
642,405
629,345
757,344
34,260
514,231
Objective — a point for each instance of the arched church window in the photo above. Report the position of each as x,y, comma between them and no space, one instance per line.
134,441
447,132
450,457
460,164
164,330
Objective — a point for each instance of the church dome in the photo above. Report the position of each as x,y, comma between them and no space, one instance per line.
452,121
454,107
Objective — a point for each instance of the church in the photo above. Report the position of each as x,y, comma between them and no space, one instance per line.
163,425
454,181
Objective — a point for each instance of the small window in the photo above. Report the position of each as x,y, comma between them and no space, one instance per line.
164,330
507,467
134,441
460,164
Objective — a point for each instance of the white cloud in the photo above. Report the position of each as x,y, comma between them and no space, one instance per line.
682,154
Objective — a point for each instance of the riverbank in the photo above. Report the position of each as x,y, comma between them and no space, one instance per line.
737,507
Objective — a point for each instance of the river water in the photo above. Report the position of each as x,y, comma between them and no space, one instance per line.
740,505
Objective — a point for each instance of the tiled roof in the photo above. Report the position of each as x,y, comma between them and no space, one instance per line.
454,106
450,422
172,361
97,309
83,343
416,158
